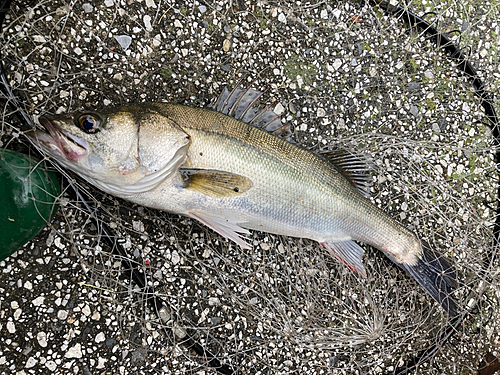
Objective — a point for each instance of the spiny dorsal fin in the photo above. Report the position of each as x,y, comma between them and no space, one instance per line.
243,104
355,167
215,183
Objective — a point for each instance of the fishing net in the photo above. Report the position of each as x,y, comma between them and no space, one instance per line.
171,296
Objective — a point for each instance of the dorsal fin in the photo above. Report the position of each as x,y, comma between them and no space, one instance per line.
355,167
243,104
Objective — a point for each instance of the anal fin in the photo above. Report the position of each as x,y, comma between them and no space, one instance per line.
349,253
226,228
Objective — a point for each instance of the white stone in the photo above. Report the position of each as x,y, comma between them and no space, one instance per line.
11,327
150,4
337,64
86,310
178,24
88,8
123,40
39,39
100,337
282,18
51,365
38,301
147,22
31,362
74,351
175,257
42,339
62,314
324,14
212,301
101,362
279,109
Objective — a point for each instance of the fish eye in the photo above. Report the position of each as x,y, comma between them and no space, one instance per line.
89,123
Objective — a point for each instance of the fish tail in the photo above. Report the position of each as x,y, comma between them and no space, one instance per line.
436,275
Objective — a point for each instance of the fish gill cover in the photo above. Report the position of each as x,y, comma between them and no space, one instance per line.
342,74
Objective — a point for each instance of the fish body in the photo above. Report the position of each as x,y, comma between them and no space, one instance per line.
235,177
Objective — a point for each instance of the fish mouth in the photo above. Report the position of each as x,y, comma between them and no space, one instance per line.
58,140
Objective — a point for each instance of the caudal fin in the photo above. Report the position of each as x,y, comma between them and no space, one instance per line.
436,276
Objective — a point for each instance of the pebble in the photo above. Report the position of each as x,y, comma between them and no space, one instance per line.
87,7
123,40
51,365
100,337
175,257
414,110
74,352
414,86
147,22
31,362
42,339
38,301
11,327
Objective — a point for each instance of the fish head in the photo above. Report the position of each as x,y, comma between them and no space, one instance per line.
122,151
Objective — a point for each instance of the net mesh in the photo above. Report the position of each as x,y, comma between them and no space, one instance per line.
343,74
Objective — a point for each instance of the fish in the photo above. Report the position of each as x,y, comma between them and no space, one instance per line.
226,167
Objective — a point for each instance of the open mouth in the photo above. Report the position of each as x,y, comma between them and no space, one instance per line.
59,140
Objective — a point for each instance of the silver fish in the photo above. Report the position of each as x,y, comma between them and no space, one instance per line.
235,177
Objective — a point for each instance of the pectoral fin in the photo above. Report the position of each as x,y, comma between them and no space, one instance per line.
226,228
349,253
215,183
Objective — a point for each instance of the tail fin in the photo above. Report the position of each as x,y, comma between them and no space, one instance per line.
436,276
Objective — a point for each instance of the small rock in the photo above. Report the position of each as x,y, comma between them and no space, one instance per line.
413,86
109,3
147,22
226,45
39,39
282,18
279,109
100,337
51,365
42,339
11,327
87,7
337,64
31,362
123,40
414,110
202,8
74,351
38,301
175,257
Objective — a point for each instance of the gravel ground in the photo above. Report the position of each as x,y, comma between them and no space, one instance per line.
339,73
